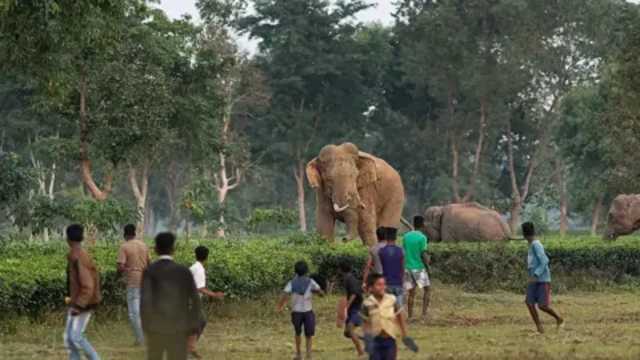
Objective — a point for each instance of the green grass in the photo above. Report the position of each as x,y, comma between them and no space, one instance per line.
495,325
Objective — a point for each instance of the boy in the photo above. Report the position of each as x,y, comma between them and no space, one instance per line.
382,320
353,307
133,260
392,260
300,289
373,262
539,287
200,278
416,276
84,295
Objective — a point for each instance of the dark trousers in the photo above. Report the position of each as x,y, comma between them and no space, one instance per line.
384,348
174,345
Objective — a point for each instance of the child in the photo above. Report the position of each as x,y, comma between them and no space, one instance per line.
353,305
382,320
539,287
200,278
300,289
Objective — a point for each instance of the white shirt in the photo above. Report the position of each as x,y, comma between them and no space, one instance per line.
302,303
199,275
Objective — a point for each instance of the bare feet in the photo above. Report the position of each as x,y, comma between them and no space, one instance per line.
560,324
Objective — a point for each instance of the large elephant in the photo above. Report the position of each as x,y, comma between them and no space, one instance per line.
465,222
624,216
354,187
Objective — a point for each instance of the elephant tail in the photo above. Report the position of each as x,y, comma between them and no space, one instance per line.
406,223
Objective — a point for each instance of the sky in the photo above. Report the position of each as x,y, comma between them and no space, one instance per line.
381,12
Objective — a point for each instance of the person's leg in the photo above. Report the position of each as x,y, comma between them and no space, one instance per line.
177,347
155,347
410,301
74,353
350,330
544,302
535,317
309,331
133,307
531,300
78,338
425,301
309,345
296,320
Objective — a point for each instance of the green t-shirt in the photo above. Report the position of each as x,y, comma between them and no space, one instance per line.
414,243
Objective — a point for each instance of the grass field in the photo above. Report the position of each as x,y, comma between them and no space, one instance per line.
603,325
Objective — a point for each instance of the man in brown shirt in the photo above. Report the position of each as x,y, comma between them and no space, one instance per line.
133,260
84,295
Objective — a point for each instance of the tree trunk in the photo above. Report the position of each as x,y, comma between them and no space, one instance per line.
518,195
171,188
564,201
595,216
471,190
298,173
455,161
516,210
140,188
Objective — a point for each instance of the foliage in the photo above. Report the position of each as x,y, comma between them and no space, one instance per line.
15,179
276,219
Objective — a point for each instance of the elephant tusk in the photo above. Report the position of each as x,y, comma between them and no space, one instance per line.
338,209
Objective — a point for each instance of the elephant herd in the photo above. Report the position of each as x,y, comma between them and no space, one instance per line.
365,192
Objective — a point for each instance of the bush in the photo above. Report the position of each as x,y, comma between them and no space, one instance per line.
32,277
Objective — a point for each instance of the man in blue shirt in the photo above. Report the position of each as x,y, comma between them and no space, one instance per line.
392,260
539,287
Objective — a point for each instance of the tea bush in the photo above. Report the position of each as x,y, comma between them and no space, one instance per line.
33,280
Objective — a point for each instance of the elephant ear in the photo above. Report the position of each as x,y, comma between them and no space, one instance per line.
367,171
313,173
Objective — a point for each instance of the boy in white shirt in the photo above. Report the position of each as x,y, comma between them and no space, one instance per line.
200,278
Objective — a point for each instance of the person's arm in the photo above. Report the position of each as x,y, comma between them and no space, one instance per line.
426,259
350,301
543,260
316,289
211,294
87,287
122,261
367,267
282,302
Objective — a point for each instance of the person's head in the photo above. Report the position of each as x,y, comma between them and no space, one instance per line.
528,231
129,232
345,267
202,253
392,233
165,243
418,222
75,234
381,233
301,268
376,284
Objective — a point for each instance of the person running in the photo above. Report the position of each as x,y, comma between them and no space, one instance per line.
200,278
133,260
301,290
84,295
373,261
539,286
416,276
392,260
383,320
354,305
169,303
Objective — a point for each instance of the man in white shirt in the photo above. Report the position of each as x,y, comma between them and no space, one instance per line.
200,278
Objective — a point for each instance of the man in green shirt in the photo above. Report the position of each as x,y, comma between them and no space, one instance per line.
416,262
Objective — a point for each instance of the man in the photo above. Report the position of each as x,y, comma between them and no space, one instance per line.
392,260
539,287
416,276
200,278
170,305
133,260
84,295
354,298
373,262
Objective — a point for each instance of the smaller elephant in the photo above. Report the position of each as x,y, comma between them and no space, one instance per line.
624,216
465,222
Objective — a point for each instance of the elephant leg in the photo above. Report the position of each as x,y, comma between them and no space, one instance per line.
325,224
367,230
391,213
351,220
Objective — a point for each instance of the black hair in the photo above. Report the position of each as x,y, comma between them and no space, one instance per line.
418,221
129,231
392,234
373,278
164,243
528,229
345,266
301,268
75,233
202,253
381,233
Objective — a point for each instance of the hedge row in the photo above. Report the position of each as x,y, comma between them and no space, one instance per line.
32,278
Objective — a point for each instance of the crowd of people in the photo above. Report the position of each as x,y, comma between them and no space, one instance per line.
166,315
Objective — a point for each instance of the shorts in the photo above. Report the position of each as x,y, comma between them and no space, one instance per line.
539,293
416,278
398,292
353,316
306,320
384,348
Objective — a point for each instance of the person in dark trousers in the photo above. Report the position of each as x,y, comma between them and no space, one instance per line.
170,304
392,259
416,262
301,290
83,282
353,292
539,286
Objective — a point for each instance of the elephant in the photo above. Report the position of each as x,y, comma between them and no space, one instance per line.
356,188
465,222
624,216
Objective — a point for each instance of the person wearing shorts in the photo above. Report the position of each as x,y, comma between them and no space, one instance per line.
300,290
416,276
539,286
352,310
